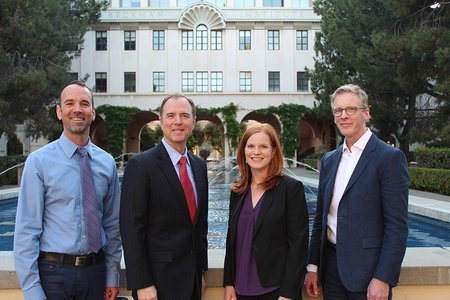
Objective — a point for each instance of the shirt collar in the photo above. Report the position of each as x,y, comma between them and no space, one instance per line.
361,143
174,154
69,148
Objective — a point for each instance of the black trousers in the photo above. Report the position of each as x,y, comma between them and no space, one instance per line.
333,288
269,296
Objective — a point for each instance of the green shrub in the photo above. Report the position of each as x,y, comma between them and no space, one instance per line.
311,162
430,180
434,158
10,177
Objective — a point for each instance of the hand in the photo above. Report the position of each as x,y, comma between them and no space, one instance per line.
283,298
203,284
377,290
311,284
230,293
111,293
148,293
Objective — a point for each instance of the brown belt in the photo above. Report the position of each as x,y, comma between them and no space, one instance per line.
73,260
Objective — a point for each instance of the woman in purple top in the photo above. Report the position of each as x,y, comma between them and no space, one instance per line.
267,239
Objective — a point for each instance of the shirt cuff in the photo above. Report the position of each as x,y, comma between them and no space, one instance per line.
112,279
34,293
311,268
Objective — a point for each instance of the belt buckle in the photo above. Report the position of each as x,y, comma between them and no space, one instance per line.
80,261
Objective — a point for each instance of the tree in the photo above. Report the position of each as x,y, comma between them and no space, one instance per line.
37,42
395,50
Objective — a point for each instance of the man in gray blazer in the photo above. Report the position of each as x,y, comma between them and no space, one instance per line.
163,231
360,229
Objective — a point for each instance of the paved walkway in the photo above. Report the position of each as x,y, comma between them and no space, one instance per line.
432,205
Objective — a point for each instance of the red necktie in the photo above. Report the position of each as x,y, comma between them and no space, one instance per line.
90,208
187,187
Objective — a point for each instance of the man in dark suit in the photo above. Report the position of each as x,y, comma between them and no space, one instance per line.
164,235
360,229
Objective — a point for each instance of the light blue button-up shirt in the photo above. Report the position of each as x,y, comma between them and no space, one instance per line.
50,212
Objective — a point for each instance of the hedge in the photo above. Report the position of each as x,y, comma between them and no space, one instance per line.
10,177
430,180
434,158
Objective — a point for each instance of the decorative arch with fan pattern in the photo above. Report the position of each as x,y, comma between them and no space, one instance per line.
203,13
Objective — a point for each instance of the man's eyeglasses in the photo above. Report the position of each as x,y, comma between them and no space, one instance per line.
350,110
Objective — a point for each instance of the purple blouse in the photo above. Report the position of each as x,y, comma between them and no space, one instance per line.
247,279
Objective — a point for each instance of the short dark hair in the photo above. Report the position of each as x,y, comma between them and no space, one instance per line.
80,83
176,95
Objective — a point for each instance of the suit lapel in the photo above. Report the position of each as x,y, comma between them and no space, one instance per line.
265,205
199,184
363,161
334,160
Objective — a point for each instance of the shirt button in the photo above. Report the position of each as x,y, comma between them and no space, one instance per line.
84,236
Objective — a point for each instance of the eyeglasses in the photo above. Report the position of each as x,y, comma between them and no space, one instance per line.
350,110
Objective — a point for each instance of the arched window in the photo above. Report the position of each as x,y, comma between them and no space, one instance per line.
202,37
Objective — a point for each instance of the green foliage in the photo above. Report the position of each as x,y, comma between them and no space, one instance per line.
430,180
396,51
290,115
117,119
233,129
6,162
37,42
434,158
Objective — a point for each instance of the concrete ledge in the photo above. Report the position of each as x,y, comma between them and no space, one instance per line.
430,208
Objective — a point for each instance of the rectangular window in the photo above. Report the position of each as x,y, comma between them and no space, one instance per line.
159,82
273,39
216,81
273,3
158,3
302,82
130,3
244,3
245,81
100,82
302,39
129,82
187,81
130,40
245,40
216,39
158,39
274,81
187,40
101,41
202,81
300,3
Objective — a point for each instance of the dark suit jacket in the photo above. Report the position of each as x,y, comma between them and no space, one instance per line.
372,224
280,238
161,245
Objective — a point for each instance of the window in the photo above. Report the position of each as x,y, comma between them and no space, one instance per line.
159,82
245,41
201,38
130,40
273,39
100,82
245,81
302,82
272,3
274,81
158,3
300,3
187,81
130,82
187,40
302,40
244,3
158,39
216,39
184,3
73,76
216,81
202,81
101,41
130,3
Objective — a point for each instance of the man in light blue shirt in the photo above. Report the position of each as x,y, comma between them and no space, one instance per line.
52,253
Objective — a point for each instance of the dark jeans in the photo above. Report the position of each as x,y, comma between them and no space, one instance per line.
62,282
269,296
333,288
